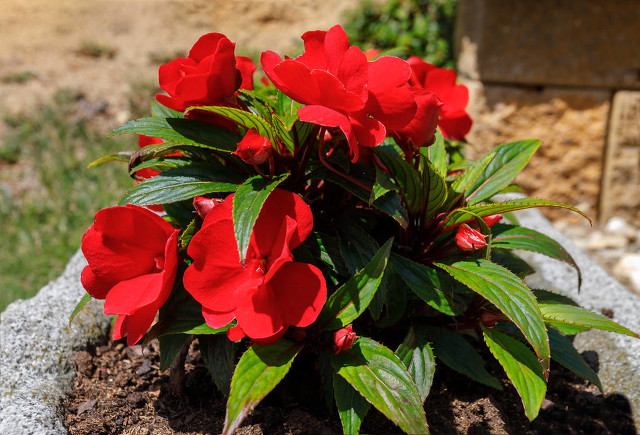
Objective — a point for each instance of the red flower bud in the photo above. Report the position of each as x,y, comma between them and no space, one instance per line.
254,149
204,205
494,219
469,239
343,339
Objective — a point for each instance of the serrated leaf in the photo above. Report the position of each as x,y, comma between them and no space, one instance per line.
431,285
352,407
170,346
247,203
521,367
407,179
241,117
160,164
437,154
546,296
515,237
287,108
259,370
284,135
181,184
389,203
511,261
507,162
188,233
563,352
353,298
468,177
555,313
416,354
382,185
81,303
434,190
456,352
182,131
465,214
384,381
119,156
510,295
218,354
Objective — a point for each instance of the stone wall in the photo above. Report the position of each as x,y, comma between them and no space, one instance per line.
567,73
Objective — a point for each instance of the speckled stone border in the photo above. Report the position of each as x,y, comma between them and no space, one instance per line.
37,344
36,352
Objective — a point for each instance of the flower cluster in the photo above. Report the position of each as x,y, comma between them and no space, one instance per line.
315,208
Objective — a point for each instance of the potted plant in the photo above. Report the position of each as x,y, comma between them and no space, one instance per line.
326,211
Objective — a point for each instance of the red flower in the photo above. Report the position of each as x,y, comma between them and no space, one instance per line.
420,132
469,239
254,149
269,292
204,205
493,219
132,256
247,68
208,77
454,121
341,89
343,339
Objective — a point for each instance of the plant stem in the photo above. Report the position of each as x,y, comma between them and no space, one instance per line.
177,371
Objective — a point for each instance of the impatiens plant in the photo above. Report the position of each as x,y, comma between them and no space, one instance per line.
316,219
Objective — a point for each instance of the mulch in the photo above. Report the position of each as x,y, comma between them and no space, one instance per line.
120,390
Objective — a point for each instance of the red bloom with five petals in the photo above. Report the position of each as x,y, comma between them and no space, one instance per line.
133,258
340,88
270,292
454,121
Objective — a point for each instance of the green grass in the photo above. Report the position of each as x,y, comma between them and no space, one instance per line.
47,196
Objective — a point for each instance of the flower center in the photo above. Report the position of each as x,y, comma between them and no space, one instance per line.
159,262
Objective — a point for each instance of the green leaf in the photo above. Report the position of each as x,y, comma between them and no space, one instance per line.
434,190
284,135
383,184
563,352
218,354
182,131
160,164
181,184
507,162
546,296
555,313
437,154
433,286
170,346
241,117
416,354
352,407
521,367
389,203
119,156
353,298
259,370
81,303
188,233
384,381
247,203
465,214
407,179
468,177
510,295
511,261
456,352
514,237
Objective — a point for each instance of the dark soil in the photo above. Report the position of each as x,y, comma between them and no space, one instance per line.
120,390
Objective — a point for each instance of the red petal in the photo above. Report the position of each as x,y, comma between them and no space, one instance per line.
137,324
297,80
217,320
247,68
258,313
332,93
419,70
208,44
236,333
440,81
331,118
97,288
421,130
455,125
391,100
353,71
336,45
171,73
170,102
128,296
301,292
314,56
370,132
279,204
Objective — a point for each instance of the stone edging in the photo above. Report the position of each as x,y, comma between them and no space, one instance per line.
36,352
37,344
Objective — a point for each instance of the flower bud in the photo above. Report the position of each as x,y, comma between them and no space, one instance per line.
493,219
254,149
204,205
469,239
343,339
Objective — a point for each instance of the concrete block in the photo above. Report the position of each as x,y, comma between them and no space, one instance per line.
590,43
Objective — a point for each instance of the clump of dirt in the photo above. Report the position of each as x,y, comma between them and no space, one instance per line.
120,390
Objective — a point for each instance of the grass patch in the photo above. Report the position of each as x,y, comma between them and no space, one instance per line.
96,50
47,196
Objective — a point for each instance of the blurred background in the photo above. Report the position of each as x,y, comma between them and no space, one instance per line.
72,70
